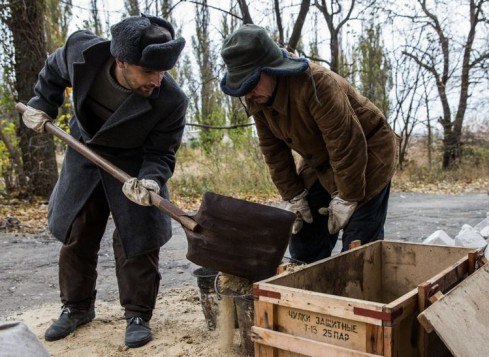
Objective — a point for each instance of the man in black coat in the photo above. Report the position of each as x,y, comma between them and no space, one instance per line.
129,110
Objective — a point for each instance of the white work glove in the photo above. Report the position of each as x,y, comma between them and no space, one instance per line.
339,212
300,207
138,190
35,119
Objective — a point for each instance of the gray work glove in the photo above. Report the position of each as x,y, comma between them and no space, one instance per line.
138,190
35,119
339,212
300,207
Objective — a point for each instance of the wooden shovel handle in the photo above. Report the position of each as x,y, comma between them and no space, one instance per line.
156,200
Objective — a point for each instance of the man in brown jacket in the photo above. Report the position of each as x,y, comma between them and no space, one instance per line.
347,150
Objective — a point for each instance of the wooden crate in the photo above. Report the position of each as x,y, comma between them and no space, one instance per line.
363,302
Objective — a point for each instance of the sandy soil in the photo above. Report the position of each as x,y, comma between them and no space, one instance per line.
179,329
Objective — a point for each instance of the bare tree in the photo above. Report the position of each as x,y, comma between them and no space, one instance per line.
166,7
57,18
278,20
331,12
132,7
209,111
26,23
437,58
16,164
373,72
95,24
427,89
243,5
406,105
236,115
297,27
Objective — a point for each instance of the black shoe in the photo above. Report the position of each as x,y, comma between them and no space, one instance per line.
68,321
138,332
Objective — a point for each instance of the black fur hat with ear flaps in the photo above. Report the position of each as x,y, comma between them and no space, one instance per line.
146,41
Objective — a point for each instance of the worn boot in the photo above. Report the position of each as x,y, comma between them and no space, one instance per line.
138,332
67,322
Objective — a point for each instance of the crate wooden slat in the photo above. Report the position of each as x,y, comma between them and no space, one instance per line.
299,345
461,317
361,301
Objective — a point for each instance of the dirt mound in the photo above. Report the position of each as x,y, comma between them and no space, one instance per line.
178,325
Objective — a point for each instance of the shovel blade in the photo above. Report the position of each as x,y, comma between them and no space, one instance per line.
238,237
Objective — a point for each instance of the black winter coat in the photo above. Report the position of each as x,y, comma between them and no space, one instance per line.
141,138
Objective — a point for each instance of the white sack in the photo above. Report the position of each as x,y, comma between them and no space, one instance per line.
439,237
469,237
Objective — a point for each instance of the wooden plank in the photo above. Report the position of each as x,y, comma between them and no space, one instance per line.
423,292
324,328
372,275
405,265
435,297
404,336
451,276
447,280
361,280
461,317
302,345
388,341
408,304
354,244
264,316
425,323
375,339
339,306
472,256
318,265
282,268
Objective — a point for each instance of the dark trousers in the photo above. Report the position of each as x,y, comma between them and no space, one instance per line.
314,242
138,278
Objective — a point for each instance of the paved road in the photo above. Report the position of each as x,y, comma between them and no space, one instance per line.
28,263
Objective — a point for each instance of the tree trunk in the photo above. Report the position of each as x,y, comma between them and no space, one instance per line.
209,96
430,146
17,164
402,153
278,17
452,130
334,30
26,24
334,46
451,150
132,7
245,12
299,23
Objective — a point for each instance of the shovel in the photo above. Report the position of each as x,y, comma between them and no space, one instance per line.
233,236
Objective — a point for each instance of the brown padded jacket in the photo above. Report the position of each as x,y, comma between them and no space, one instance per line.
343,139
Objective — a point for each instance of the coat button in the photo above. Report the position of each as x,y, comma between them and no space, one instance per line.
288,140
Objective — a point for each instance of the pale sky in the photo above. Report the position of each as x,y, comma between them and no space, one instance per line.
184,16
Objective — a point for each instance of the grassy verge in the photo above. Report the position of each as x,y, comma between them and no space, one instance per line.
470,175
242,173
238,173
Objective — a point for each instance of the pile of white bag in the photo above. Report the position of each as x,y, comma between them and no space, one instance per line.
470,237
